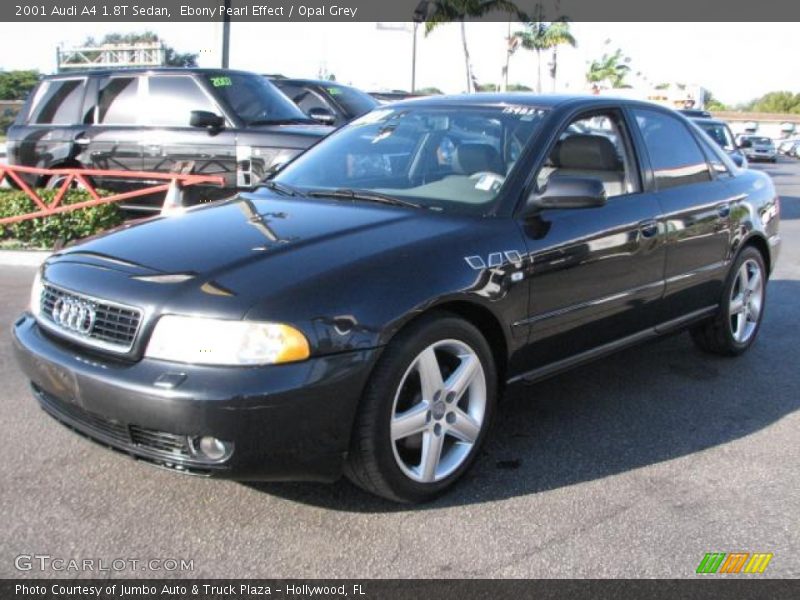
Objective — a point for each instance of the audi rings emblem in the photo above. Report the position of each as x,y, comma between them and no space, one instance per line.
74,315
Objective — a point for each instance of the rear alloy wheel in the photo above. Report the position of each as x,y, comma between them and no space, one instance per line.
54,182
746,301
736,324
425,412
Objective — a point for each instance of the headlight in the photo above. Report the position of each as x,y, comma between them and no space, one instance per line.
37,289
217,342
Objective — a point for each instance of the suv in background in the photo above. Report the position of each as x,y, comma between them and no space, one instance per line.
325,101
229,123
719,131
757,147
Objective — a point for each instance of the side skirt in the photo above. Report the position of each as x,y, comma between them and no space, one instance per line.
551,369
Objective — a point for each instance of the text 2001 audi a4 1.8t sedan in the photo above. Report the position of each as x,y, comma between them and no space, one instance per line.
361,313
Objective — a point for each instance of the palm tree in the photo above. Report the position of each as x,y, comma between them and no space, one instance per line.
542,35
612,68
559,35
439,12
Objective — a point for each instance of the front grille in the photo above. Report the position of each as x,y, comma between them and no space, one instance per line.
160,444
114,326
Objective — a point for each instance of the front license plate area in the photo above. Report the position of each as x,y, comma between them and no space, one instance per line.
59,382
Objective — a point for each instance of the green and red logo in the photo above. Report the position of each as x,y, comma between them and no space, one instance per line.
734,562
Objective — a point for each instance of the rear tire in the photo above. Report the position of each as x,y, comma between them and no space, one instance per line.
54,182
735,326
425,412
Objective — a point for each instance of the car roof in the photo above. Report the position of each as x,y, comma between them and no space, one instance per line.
319,82
709,120
142,70
542,101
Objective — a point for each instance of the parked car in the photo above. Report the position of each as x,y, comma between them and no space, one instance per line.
387,96
757,147
786,147
694,113
328,102
229,123
720,132
363,311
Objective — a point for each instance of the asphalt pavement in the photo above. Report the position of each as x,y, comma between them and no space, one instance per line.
634,466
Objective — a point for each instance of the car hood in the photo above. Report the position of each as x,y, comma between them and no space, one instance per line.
224,258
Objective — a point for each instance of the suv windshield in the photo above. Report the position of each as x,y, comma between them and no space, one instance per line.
353,101
447,158
720,133
255,100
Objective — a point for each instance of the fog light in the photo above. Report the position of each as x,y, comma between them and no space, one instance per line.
211,448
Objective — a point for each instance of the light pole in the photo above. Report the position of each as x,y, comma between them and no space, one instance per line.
414,59
420,16
226,35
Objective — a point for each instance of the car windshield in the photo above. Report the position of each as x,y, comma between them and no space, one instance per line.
720,133
255,100
353,101
445,158
761,140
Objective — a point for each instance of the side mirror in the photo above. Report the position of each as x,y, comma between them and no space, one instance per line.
569,192
206,120
322,115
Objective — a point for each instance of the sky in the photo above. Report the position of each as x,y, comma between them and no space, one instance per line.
736,61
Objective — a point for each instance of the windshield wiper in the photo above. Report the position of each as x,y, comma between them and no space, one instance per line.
279,187
295,121
366,195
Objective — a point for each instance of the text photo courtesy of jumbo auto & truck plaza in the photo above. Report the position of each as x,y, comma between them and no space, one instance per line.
409,299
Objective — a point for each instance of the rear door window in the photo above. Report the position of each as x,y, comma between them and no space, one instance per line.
58,102
674,153
171,100
118,101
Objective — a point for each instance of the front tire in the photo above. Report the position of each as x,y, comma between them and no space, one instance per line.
735,326
426,411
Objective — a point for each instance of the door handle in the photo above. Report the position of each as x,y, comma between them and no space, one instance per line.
648,229
723,210
81,139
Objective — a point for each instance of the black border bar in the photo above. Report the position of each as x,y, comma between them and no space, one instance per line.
704,587
389,10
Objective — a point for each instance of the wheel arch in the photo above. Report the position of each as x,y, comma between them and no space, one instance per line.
758,242
64,163
487,323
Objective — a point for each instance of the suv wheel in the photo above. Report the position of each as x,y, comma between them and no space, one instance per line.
736,325
54,182
425,412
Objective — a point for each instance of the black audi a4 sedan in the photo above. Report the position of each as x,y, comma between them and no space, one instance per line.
363,311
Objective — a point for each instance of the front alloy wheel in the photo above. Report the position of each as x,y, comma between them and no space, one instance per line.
425,411
436,421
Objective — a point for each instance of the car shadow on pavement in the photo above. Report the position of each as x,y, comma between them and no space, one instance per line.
640,407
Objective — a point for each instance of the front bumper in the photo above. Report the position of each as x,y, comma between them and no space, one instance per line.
286,422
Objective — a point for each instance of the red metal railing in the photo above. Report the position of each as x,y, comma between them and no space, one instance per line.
83,177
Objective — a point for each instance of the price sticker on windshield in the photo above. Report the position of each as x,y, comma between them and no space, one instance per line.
522,111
